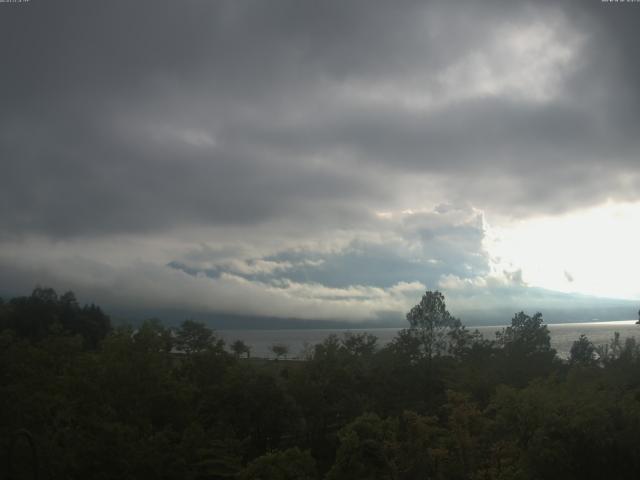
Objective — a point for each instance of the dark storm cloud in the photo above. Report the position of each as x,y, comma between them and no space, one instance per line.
124,117
121,117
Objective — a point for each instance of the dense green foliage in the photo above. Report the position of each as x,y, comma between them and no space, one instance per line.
439,402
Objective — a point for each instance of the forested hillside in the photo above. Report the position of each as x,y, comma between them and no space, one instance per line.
439,402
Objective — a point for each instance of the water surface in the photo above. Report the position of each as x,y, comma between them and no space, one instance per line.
562,336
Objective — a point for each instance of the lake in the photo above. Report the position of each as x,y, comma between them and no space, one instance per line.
562,336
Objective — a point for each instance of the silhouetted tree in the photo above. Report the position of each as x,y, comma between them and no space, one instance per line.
153,336
407,345
359,344
279,350
89,321
44,295
526,335
433,324
525,351
583,352
43,312
240,348
194,337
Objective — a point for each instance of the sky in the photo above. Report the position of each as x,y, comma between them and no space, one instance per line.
326,160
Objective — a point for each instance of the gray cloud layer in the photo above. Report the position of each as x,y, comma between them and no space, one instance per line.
164,119
121,117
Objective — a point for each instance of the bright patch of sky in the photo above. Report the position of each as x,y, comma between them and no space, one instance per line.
593,251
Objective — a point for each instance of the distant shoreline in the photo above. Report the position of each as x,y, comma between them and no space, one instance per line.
360,327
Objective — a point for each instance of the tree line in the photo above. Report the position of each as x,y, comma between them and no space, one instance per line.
438,402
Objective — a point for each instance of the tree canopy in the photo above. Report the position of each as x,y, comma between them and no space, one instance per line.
135,405
526,335
35,316
433,325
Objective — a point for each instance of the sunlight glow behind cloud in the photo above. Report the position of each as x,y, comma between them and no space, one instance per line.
593,251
